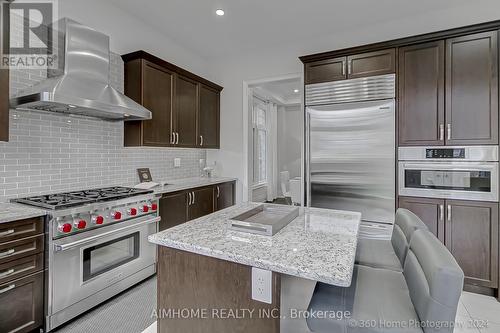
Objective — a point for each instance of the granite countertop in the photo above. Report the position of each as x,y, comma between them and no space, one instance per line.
175,185
12,212
318,245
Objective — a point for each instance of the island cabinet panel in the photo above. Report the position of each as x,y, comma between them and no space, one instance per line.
208,120
472,89
201,203
421,94
430,211
224,195
191,281
173,210
472,238
185,107
371,63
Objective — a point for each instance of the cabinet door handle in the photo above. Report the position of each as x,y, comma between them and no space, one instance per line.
189,199
176,138
6,233
10,287
201,140
449,213
6,253
441,212
6,273
343,67
449,131
172,135
194,198
349,67
218,191
441,132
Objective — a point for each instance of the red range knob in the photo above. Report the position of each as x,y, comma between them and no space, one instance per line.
154,206
81,224
99,219
132,211
66,227
116,215
145,209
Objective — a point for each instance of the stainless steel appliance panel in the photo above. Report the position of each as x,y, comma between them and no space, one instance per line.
351,158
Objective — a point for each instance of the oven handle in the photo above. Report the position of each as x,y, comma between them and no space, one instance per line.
69,246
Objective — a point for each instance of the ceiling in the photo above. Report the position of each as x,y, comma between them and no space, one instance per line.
282,91
252,24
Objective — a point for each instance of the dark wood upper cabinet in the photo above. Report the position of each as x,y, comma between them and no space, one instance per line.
151,86
371,63
4,77
472,238
472,89
224,195
430,211
421,94
185,107
209,118
173,210
202,202
326,70
185,111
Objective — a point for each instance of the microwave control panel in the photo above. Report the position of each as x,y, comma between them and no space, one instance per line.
447,153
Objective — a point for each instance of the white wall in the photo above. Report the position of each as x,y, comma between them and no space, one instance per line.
290,129
128,33
283,59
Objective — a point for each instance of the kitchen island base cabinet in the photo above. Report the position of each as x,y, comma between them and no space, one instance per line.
196,283
469,229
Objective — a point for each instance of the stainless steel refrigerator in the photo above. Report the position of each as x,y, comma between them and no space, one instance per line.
350,140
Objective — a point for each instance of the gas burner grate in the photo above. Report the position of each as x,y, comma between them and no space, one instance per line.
79,198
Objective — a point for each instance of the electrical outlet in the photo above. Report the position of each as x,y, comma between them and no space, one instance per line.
177,162
262,285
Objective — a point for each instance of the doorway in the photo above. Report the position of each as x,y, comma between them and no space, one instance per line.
273,136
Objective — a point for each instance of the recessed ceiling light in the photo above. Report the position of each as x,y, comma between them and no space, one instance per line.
296,90
219,12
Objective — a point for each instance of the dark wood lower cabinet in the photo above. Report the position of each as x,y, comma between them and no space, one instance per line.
430,211
173,210
194,282
224,195
21,304
472,238
202,203
179,207
469,229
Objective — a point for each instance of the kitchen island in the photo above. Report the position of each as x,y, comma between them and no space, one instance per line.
205,269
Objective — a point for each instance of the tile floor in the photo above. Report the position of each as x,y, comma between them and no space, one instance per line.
476,314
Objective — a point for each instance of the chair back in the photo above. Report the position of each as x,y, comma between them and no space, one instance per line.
405,224
435,282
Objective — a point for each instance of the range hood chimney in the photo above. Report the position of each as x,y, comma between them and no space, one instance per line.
83,87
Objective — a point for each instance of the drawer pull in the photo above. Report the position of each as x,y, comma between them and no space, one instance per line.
10,287
7,273
6,253
6,233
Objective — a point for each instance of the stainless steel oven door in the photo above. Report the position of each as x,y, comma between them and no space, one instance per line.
457,180
86,263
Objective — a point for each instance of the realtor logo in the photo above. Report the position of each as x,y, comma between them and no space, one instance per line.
28,40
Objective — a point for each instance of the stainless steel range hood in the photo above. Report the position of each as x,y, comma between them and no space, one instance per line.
83,86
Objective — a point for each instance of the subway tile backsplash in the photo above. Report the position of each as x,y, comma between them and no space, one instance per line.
50,152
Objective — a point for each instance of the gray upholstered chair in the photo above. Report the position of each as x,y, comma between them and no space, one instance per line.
379,300
390,254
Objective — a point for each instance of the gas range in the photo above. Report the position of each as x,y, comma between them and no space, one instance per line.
79,211
96,246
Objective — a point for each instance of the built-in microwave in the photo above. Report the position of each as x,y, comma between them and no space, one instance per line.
465,173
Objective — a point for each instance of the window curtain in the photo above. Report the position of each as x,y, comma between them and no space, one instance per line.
272,151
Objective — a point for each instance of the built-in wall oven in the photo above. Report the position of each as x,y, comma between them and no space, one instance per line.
465,173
